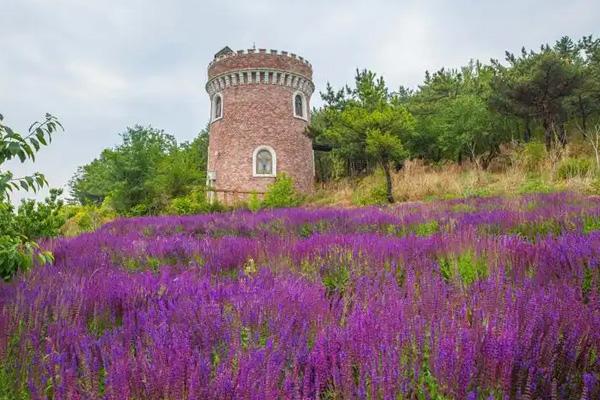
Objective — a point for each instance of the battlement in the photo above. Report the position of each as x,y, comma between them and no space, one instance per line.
272,52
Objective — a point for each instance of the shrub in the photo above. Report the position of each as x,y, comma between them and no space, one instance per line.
466,266
574,167
371,190
86,218
535,186
254,203
281,193
33,220
192,203
40,219
427,228
532,156
531,230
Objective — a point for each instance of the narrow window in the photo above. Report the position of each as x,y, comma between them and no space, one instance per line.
217,107
299,106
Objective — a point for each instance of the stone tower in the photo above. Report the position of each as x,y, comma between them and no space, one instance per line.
259,113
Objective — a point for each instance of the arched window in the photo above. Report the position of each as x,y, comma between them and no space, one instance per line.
299,105
217,107
264,161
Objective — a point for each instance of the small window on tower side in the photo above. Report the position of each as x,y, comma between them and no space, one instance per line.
217,107
299,106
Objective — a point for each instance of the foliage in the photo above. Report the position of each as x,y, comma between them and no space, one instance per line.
471,112
333,303
18,251
254,202
367,126
40,219
14,145
86,218
19,254
532,156
535,185
281,193
574,167
20,229
370,190
194,202
144,174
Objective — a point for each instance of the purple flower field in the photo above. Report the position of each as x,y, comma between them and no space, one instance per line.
484,298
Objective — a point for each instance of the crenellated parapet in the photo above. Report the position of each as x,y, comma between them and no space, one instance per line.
271,52
251,67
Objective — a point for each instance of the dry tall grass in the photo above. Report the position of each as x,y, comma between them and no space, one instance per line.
518,171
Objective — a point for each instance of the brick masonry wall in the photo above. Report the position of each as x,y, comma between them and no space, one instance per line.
255,115
259,60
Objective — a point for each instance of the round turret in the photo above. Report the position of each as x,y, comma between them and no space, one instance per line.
260,108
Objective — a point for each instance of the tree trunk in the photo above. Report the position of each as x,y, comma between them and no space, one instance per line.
388,181
562,134
527,135
548,134
583,115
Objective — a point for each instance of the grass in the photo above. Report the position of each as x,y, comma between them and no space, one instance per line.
516,174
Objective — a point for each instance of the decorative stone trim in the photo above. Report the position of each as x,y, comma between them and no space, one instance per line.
274,161
264,76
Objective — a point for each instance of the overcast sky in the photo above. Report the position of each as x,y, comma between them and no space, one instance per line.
101,66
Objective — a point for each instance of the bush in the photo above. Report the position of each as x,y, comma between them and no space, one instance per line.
532,156
254,203
574,167
535,186
281,193
192,203
371,190
40,219
86,218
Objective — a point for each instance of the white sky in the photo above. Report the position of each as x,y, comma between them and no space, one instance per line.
101,66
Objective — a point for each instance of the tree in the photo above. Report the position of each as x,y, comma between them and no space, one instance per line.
93,182
536,85
144,173
182,170
454,120
17,248
385,147
366,124
14,145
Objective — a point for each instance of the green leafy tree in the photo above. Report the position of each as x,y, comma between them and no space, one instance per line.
93,182
453,117
18,251
24,147
537,85
35,220
145,173
386,148
135,162
351,115
182,170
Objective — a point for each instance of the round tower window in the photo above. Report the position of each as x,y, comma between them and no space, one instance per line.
217,107
299,105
